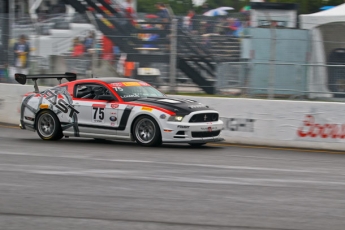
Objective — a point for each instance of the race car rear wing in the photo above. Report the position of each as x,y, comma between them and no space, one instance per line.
21,78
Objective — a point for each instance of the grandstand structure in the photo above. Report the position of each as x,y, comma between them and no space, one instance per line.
197,62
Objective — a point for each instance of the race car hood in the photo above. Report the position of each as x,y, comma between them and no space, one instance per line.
179,106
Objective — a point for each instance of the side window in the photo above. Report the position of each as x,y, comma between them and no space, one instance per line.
90,91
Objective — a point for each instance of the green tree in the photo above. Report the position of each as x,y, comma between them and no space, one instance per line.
181,7
311,6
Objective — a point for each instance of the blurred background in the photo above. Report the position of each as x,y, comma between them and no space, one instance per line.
279,49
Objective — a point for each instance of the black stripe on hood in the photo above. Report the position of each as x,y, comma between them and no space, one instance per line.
179,106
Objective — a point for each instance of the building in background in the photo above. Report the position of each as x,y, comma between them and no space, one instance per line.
283,15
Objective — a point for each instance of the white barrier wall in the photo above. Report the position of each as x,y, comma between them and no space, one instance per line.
10,98
317,125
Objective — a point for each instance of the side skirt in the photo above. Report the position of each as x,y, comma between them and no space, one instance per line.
100,136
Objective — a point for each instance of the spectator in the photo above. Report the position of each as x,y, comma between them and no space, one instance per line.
74,43
89,41
163,12
190,18
221,26
231,30
203,27
130,12
108,50
78,49
21,55
164,16
239,30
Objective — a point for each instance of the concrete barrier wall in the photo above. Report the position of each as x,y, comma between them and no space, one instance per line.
317,125
10,99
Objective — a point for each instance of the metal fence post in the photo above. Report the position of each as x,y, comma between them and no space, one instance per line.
218,76
173,56
11,27
272,64
272,73
5,26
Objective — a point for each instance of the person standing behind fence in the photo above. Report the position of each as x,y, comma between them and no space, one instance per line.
21,55
130,12
89,42
78,49
189,20
232,27
164,16
163,12
107,49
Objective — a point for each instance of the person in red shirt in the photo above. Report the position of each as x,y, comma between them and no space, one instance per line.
190,17
108,53
232,28
107,44
78,49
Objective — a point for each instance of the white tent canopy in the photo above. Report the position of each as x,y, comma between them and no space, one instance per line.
336,14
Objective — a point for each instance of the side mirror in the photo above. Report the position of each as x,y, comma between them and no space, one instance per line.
106,97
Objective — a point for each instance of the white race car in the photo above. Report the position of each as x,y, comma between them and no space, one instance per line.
115,108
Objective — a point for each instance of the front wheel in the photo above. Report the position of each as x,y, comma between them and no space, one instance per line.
147,132
48,126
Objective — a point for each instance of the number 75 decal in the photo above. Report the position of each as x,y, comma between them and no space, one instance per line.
98,115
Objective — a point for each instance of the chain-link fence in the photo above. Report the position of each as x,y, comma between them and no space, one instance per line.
223,55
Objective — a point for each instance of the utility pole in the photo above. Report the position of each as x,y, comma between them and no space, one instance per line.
5,33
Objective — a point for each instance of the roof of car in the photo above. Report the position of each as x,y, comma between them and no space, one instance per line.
115,79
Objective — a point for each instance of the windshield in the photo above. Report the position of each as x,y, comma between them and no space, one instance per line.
130,91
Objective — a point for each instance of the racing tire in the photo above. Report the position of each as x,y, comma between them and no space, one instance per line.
196,144
146,131
48,126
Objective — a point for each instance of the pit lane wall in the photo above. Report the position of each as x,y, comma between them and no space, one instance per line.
316,125
295,124
10,99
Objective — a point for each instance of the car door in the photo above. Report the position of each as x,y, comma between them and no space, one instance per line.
95,115
123,113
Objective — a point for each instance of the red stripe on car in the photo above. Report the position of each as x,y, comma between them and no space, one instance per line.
98,105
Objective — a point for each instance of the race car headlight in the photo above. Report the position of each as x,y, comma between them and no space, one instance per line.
176,118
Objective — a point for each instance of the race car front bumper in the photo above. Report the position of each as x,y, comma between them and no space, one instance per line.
184,132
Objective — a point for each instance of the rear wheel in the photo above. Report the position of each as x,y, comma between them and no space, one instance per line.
48,126
147,132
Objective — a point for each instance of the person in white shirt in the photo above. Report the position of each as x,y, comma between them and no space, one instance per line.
21,55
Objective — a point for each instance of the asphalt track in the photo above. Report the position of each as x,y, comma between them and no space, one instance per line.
82,184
